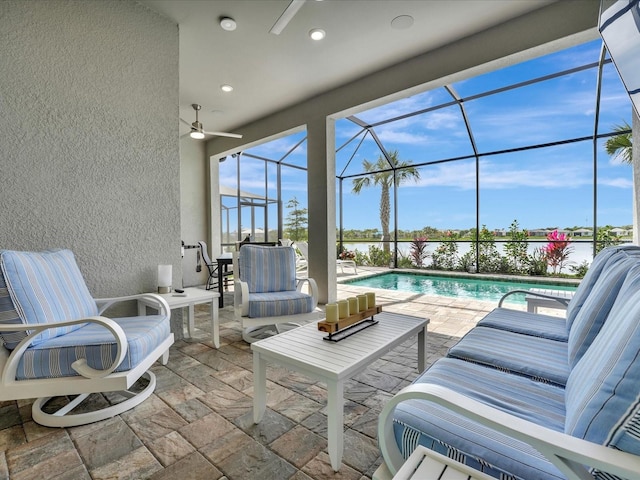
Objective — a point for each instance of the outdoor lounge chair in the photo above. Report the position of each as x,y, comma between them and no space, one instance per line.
303,247
267,295
57,342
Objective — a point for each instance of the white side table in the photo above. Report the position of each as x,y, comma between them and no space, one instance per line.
534,302
190,298
425,464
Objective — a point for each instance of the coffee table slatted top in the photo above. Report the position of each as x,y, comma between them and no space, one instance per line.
339,359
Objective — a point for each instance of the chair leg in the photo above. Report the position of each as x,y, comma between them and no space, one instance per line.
63,418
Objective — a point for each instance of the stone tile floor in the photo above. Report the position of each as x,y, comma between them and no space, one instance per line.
198,423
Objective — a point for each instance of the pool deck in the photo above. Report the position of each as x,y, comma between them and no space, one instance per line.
198,422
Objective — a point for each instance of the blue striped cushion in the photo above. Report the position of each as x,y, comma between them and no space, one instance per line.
425,423
267,269
54,357
9,315
595,269
603,390
595,309
527,323
47,287
279,303
538,358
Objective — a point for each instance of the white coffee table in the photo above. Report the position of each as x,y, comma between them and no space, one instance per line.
303,350
190,298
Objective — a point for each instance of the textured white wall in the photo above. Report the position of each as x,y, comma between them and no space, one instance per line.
194,212
89,151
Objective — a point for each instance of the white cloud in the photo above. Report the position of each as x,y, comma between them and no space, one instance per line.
497,175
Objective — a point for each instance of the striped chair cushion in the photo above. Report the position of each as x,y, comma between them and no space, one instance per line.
603,390
595,309
273,304
595,269
538,358
426,423
267,269
527,323
54,357
8,315
47,287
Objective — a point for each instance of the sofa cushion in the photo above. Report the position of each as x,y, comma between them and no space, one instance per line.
53,358
426,423
596,307
272,304
603,389
267,269
527,323
538,358
595,270
47,287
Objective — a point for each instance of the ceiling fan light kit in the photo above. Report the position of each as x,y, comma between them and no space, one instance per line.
197,130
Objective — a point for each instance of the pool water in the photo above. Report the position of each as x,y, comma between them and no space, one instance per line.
459,287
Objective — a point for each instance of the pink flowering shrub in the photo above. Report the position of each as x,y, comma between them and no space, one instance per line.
557,251
347,255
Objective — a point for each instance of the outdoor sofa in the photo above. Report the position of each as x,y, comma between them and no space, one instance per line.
530,396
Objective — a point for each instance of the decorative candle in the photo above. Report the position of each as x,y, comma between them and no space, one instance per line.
164,278
371,299
353,305
343,309
362,303
332,312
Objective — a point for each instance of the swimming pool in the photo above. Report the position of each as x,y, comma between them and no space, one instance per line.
459,287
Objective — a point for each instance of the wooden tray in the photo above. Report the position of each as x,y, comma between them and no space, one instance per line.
323,326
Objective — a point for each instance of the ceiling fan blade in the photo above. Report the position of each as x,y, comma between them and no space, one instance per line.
286,16
185,122
223,134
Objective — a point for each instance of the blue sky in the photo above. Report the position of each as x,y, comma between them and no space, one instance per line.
540,188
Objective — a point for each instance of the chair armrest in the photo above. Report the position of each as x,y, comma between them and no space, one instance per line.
79,365
313,288
241,298
161,304
569,454
564,301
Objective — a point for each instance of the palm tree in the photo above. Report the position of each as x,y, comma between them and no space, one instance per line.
382,173
620,146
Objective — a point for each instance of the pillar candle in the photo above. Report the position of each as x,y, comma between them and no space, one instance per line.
343,309
332,312
164,278
362,303
371,299
353,305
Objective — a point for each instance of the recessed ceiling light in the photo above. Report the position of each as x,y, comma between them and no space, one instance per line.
228,24
402,22
317,34
226,88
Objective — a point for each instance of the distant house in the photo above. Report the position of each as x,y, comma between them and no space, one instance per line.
619,232
582,232
538,233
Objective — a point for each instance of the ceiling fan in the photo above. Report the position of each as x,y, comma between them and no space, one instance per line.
198,132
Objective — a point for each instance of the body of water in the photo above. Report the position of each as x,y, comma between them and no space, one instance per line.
459,287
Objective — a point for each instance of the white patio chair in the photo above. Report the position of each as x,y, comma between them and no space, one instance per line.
56,342
268,298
